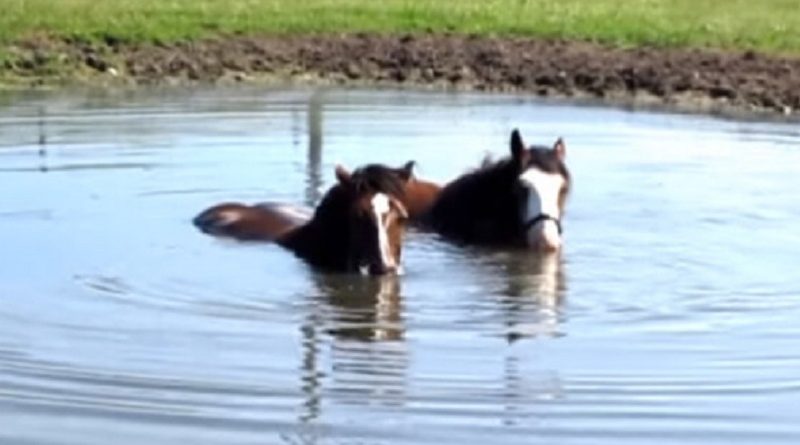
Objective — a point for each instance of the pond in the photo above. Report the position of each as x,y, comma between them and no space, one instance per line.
671,316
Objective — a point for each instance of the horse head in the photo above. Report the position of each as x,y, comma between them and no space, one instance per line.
376,217
542,185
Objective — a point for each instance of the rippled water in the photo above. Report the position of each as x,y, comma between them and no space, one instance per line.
672,316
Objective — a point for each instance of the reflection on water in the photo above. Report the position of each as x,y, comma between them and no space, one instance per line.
368,360
42,141
314,163
535,290
367,309
670,317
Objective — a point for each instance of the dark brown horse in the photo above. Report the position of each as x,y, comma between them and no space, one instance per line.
517,201
358,225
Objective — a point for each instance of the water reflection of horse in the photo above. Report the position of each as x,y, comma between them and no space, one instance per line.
526,291
364,309
361,319
534,292
358,225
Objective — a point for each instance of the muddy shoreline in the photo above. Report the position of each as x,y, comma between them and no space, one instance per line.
742,82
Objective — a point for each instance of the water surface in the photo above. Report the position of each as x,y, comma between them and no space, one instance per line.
671,316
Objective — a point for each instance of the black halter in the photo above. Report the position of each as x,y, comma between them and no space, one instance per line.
541,218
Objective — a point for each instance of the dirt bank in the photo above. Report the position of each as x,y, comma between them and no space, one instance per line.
698,79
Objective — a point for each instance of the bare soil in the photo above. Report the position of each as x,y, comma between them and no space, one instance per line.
708,80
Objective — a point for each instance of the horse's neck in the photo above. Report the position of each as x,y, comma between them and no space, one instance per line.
478,191
321,243
475,207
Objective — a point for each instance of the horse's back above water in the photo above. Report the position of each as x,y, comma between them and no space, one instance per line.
419,197
261,222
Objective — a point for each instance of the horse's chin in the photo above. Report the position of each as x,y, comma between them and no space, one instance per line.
544,239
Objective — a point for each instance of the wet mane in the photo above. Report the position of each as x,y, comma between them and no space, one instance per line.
372,178
377,178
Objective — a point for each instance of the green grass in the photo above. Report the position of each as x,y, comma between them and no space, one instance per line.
768,25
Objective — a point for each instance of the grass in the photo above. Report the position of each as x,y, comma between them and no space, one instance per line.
766,25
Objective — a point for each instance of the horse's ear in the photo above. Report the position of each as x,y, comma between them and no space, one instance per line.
407,170
560,148
342,175
517,146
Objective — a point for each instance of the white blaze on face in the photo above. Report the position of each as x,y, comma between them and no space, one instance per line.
381,207
543,191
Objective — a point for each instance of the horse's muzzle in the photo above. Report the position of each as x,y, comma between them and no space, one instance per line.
543,233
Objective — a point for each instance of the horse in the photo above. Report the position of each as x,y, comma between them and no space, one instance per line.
516,201
266,221
358,225
419,194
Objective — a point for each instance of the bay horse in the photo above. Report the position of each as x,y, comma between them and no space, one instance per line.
419,194
516,201
358,225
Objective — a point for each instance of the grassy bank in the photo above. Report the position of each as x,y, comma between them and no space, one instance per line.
766,25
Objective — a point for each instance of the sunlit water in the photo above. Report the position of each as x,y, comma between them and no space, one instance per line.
672,317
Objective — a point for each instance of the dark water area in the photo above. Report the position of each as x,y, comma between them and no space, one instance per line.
670,317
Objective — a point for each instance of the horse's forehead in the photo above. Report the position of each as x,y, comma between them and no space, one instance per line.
536,177
546,160
380,203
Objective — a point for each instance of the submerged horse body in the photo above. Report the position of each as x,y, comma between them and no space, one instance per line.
516,201
358,225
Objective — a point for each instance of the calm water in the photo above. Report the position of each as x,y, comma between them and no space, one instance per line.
672,316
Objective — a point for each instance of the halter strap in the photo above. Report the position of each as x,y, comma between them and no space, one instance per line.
541,218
